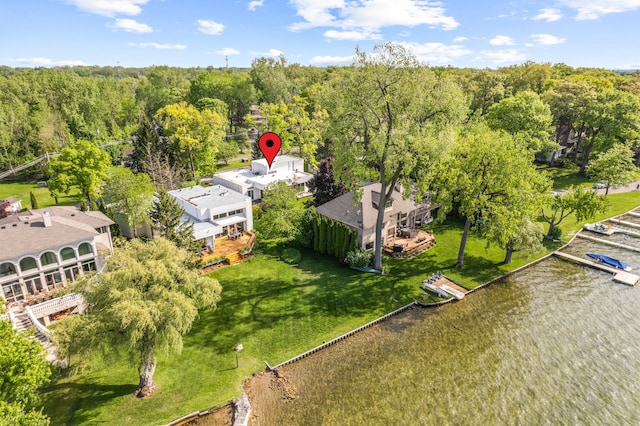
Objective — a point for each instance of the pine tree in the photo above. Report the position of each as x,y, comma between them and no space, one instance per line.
165,217
316,233
323,236
34,200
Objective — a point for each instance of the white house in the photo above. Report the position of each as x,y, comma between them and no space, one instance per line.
42,250
285,168
215,211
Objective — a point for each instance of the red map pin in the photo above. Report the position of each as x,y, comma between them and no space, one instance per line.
269,144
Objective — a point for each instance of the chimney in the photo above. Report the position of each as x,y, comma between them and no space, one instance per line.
46,217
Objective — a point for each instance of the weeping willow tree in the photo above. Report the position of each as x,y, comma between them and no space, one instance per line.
142,305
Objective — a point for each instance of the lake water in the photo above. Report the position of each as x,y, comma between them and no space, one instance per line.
556,343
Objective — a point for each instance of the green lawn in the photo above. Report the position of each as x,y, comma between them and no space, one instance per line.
221,166
276,311
564,177
22,189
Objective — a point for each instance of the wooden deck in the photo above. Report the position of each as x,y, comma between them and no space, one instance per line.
227,247
411,246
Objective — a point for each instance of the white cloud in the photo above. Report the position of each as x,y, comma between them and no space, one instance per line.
500,56
370,15
46,62
210,27
549,15
255,4
594,9
228,51
159,46
460,39
404,34
110,8
352,35
547,39
272,52
131,26
502,41
329,60
436,52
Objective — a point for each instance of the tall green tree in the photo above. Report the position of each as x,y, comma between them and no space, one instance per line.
144,303
235,89
165,217
581,202
491,181
613,117
195,136
390,118
270,80
525,116
81,164
24,371
486,88
614,166
283,214
129,196
296,127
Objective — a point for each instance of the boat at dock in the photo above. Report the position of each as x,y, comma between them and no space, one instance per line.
615,263
599,228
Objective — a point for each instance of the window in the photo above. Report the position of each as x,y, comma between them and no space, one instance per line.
7,269
33,284
67,253
12,291
84,249
71,273
52,279
27,264
48,258
219,216
89,266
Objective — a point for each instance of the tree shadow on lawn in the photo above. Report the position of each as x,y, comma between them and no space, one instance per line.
80,399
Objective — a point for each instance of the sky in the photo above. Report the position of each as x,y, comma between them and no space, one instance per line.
202,33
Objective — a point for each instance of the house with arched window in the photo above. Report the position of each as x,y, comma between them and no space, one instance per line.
41,251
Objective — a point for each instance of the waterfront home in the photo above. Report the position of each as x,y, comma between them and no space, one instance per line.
215,211
251,182
45,249
401,216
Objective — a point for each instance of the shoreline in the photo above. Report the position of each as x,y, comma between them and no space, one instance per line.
279,381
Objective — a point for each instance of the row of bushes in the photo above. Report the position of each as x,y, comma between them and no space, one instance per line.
327,236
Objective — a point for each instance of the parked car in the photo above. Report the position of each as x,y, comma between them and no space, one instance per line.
600,185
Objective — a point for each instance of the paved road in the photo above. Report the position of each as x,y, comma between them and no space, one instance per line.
633,186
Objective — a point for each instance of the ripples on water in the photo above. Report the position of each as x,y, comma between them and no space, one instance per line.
554,344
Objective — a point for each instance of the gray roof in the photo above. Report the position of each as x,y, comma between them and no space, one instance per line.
364,214
25,233
208,197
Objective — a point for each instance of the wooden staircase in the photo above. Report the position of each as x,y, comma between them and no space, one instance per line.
235,258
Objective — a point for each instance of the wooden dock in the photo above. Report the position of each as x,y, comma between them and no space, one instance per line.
625,223
622,277
606,242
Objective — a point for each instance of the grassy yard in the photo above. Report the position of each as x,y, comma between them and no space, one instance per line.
276,311
564,177
22,189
